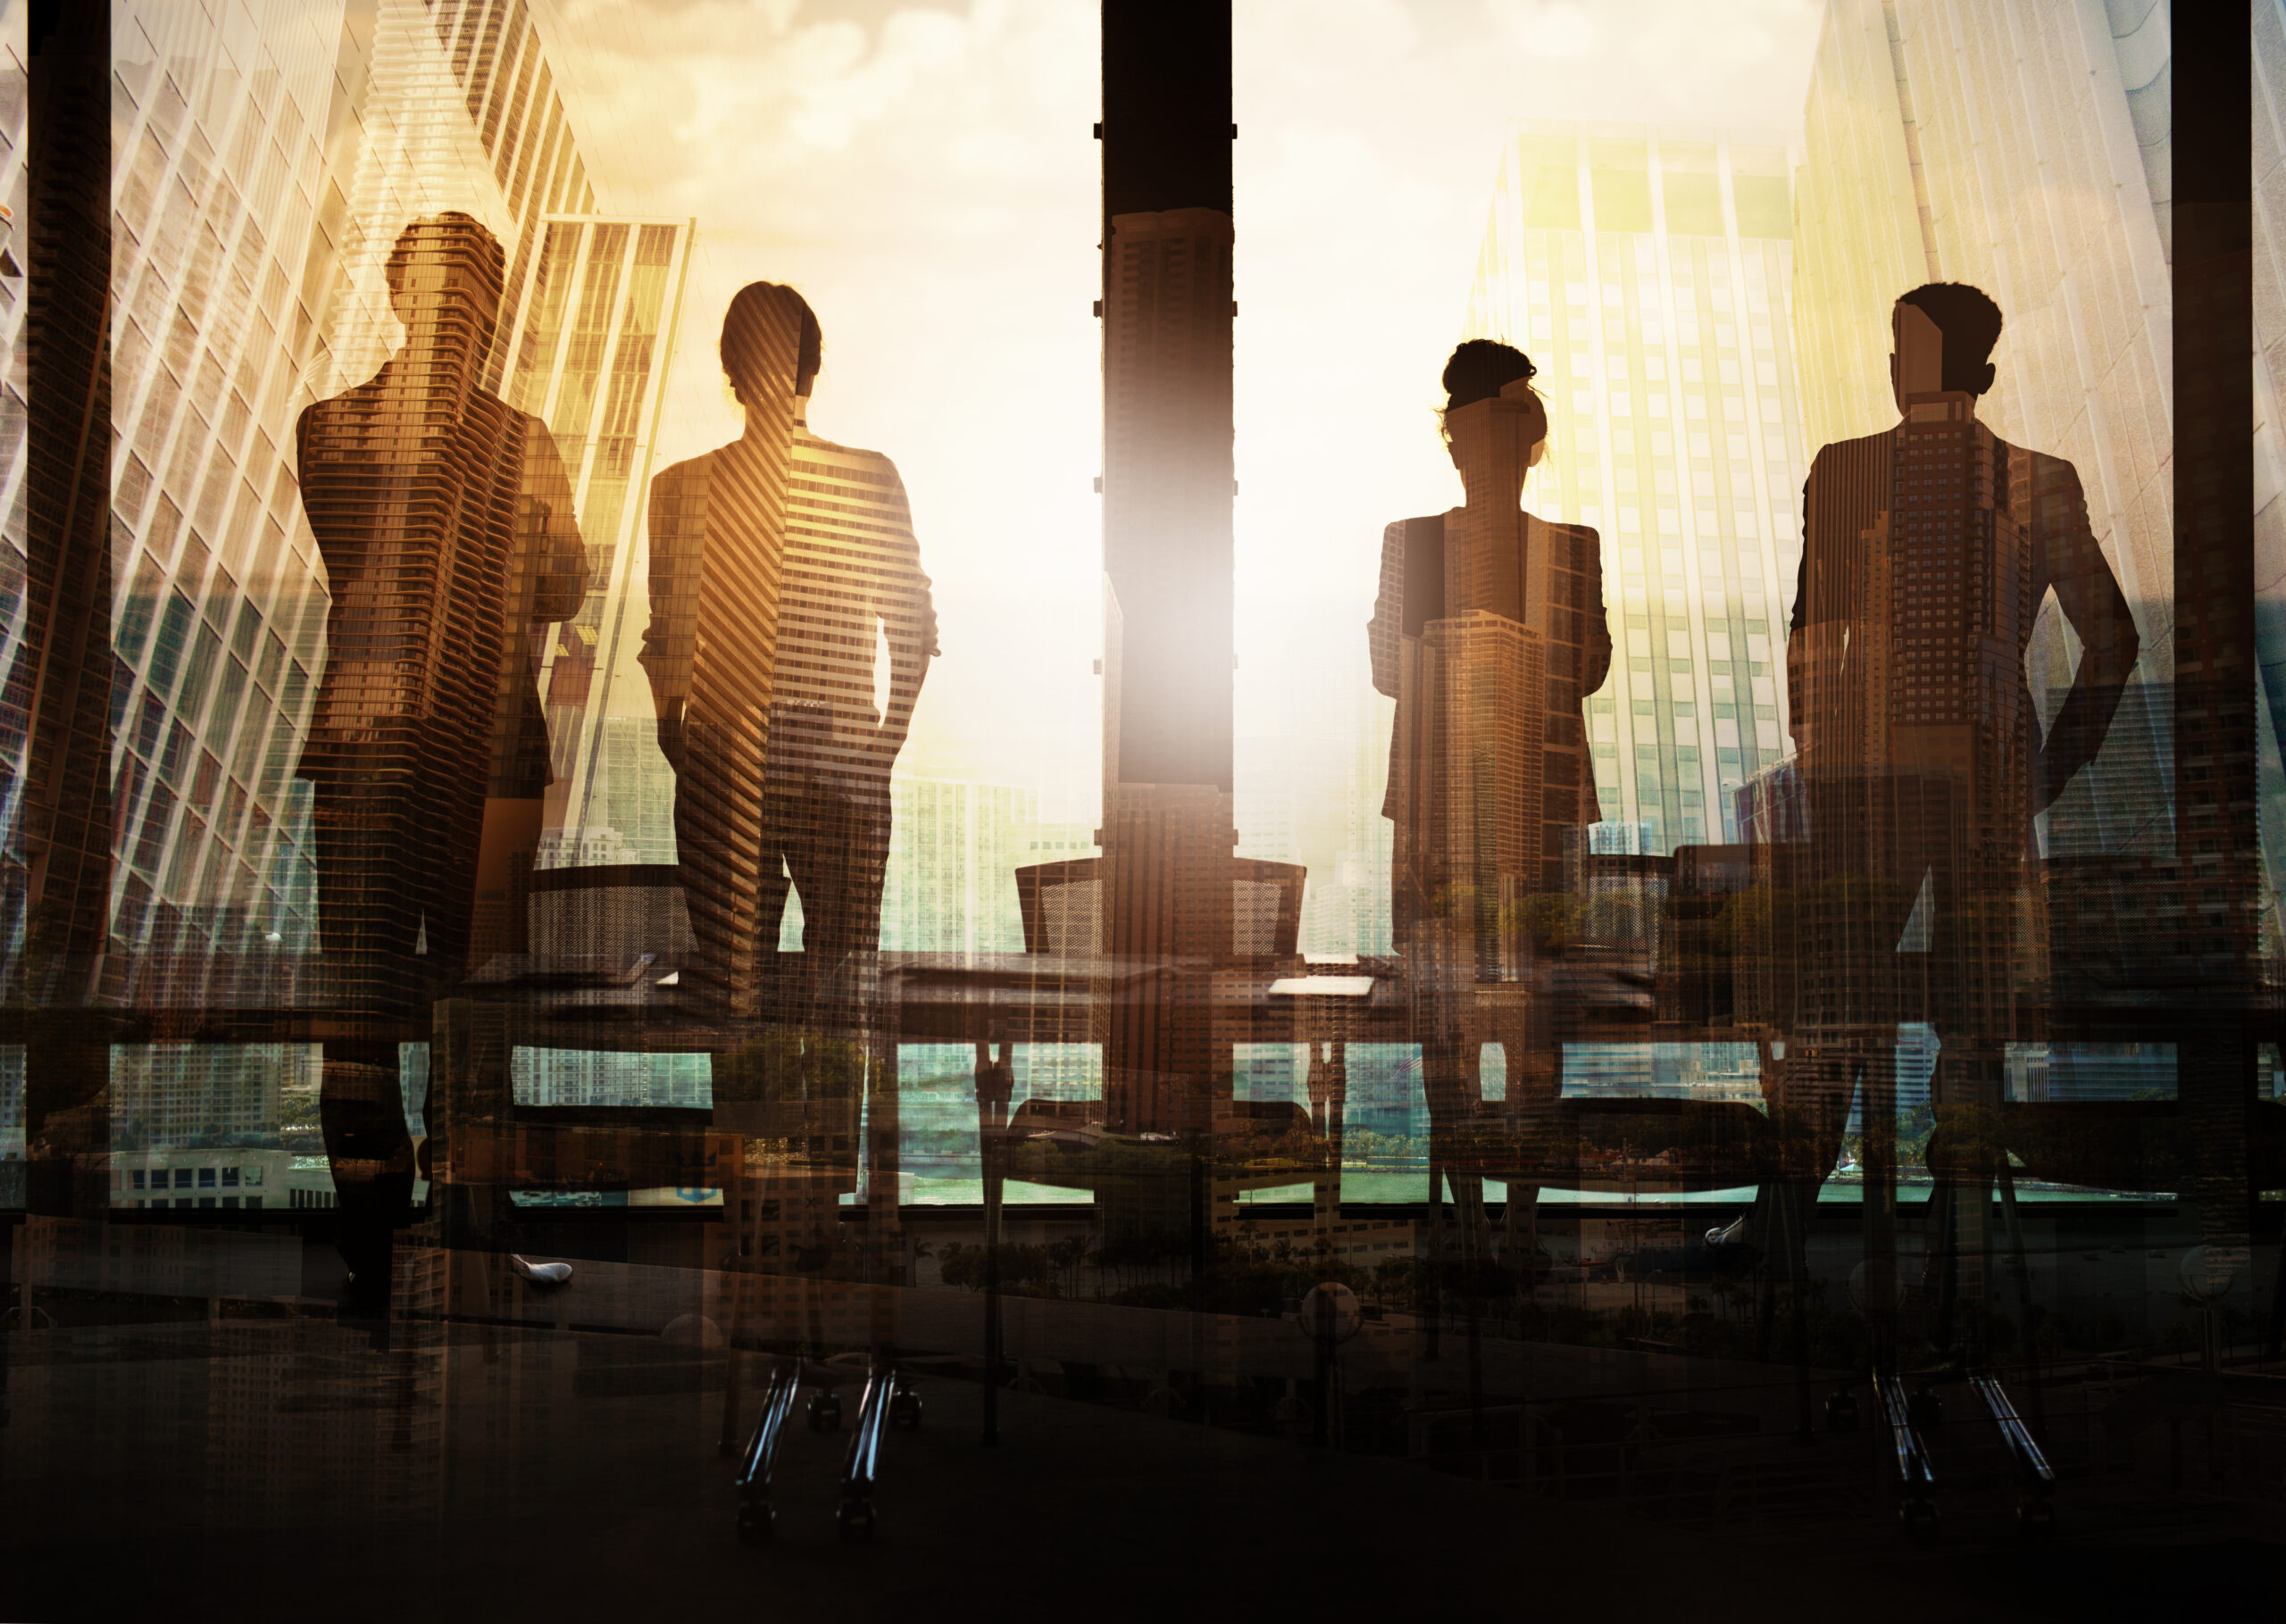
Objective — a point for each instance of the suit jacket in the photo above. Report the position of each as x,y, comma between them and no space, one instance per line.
853,580
1881,625
1413,594
447,542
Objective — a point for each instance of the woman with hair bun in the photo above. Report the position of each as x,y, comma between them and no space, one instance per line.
1489,633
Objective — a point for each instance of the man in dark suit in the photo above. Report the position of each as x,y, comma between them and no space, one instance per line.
780,564
718,575
1928,550
445,523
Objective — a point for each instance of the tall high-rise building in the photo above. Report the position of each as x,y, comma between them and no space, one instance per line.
589,349
1647,272
228,267
267,157
2026,154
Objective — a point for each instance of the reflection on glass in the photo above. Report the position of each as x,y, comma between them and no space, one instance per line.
525,908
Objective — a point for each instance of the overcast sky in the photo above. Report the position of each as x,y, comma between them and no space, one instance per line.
926,176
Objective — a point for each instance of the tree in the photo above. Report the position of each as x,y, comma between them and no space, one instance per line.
959,1265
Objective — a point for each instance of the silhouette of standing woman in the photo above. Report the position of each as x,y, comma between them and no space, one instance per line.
1489,633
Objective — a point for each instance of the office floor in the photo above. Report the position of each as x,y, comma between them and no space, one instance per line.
286,1467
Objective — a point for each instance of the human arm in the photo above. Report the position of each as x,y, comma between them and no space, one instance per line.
1595,624
549,526
1383,631
318,435
670,637
2089,594
1796,709
907,616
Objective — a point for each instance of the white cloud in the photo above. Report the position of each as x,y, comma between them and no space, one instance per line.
1548,30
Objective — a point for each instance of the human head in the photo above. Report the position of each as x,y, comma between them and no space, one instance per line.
1970,324
768,330
1481,370
446,270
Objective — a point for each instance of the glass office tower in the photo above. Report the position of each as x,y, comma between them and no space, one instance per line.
1918,132
264,165
1648,273
589,358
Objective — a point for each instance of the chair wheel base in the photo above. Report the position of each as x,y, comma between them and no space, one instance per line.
757,1525
856,1520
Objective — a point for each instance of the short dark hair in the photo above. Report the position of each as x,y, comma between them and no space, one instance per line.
1480,368
760,306
1970,323
457,236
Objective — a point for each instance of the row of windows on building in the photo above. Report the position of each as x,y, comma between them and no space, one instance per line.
192,237
197,235
187,1178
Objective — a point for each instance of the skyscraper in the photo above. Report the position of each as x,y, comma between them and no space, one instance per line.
265,157
1647,272
1929,155
228,281
257,207
590,356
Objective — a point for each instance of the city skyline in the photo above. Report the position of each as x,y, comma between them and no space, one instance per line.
500,71
1228,772
461,100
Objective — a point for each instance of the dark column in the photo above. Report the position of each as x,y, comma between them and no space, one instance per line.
68,583
1167,461
2216,834
1167,484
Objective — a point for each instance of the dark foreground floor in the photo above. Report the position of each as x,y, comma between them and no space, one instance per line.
558,1497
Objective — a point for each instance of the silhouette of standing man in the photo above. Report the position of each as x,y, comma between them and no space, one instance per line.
718,556
445,523
778,565
853,585
1928,549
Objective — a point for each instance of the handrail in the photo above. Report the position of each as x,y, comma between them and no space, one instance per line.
756,1517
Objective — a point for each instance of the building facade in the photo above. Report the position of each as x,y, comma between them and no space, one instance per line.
268,155
2024,151
589,353
1647,272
